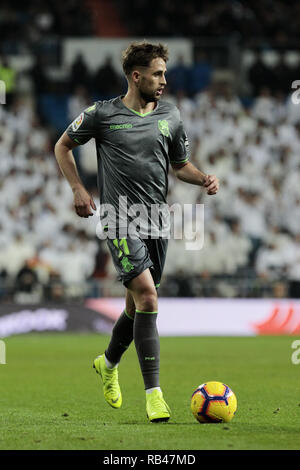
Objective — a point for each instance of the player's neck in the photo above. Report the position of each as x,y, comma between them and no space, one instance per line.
132,101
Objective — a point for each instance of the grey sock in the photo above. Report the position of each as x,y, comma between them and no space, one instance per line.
147,346
122,335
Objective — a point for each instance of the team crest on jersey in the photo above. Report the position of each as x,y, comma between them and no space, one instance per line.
164,127
77,122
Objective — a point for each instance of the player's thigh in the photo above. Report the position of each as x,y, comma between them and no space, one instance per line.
143,291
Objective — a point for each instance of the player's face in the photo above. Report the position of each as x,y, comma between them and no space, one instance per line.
152,80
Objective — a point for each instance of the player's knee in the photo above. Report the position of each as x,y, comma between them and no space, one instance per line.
148,301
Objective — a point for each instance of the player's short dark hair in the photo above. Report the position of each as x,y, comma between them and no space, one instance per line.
141,53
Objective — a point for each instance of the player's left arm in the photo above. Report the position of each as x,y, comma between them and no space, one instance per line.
188,173
183,168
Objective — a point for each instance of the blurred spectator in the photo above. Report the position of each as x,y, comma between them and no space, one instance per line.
39,76
185,105
43,19
107,82
270,261
284,77
237,246
54,290
260,76
182,285
264,106
200,73
78,101
17,251
80,74
177,76
27,287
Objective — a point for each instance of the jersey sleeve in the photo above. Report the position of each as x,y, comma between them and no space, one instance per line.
179,147
83,128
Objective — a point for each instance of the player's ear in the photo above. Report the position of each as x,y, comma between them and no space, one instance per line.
135,76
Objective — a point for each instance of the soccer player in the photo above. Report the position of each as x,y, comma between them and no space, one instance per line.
137,137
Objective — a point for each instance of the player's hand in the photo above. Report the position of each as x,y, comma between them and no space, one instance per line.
211,184
83,203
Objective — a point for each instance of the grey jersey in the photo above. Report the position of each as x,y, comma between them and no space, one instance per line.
133,152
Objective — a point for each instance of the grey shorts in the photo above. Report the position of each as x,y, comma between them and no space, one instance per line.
132,256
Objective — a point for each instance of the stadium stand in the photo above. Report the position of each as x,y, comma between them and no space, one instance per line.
252,228
248,20
246,130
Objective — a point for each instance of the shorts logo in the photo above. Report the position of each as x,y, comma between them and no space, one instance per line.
77,122
164,127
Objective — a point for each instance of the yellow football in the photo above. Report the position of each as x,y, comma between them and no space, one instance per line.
213,402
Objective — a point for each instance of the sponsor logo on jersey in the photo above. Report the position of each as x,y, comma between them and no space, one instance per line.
120,126
164,127
77,122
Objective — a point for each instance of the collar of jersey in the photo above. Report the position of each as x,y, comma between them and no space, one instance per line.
136,112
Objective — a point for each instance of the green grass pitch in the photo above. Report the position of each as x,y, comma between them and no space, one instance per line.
51,398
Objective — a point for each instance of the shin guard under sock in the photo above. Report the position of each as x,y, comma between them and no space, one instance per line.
146,341
122,335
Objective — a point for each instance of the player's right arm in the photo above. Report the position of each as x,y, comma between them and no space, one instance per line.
83,202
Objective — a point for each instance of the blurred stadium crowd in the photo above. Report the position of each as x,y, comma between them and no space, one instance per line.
263,18
25,27
259,18
40,234
252,227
